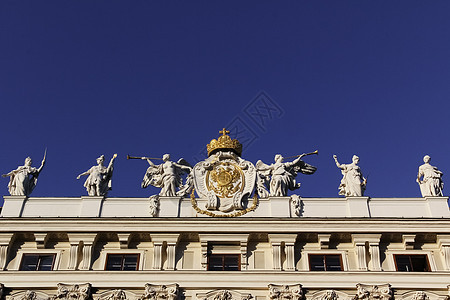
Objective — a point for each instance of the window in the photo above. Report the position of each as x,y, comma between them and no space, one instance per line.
411,263
325,262
224,262
122,262
37,262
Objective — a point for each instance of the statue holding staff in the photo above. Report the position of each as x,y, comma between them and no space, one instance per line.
429,179
353,183
23,179
98,182
283,173
167,176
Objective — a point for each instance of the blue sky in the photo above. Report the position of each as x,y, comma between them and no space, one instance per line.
85,78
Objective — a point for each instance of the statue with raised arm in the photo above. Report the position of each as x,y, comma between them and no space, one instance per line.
98,182
168,176
23,179
352,183
429,179
281,175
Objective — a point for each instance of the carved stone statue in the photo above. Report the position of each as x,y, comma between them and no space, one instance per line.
283,174
98,182
429,179
353,183
23,179
167,176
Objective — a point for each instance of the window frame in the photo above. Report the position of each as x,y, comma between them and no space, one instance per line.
304,259
123,255
16,263
324,255
223,256
391,264
39,255
428,265
101,265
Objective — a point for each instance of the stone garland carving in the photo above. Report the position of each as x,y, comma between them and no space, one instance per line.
330,295
118,294
73,291
448,295
420,295
30,295
374,292
158,292
224,295
286,292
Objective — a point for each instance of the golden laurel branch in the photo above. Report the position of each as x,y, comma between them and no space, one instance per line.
235,214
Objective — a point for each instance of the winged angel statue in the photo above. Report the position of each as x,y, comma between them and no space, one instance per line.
280,176
168,176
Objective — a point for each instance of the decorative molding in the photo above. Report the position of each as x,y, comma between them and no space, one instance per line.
154,205
30,295
224,295
282,292
420,295
160,292
330,295
296,203
117,294
374,292
73,291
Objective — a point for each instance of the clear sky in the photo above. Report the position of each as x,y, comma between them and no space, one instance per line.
85,78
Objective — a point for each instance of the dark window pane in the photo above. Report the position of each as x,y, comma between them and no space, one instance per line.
333,262
316,263
215,263
122,262
403,263
411,263
326,262
231,263
46,262
37,262
223,262
419,263
130,262
29,262
114,263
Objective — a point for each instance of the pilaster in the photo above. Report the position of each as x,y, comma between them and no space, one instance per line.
5,242
159,240
444,245
85,242
277,240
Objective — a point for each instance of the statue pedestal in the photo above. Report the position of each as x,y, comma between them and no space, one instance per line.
13,206
438,206
358,206
169,206
91,206
280,206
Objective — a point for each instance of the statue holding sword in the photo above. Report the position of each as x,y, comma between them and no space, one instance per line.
23,179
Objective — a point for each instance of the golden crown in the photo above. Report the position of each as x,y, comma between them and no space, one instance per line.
224,142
